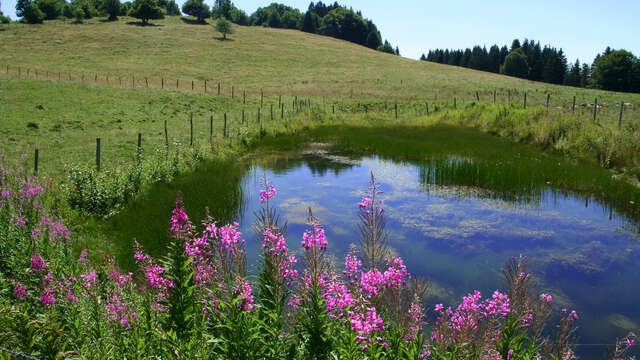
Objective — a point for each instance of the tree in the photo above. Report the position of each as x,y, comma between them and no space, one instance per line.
515,64
386,47
515,44
170,7
146,10
111,7
616,70
423,57
224,27
196,8
397,51
79,15
4,19
310,22
51,8
574,76
222,8
29,12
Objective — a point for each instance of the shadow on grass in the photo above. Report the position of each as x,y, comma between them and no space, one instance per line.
140,23
193,21
220,38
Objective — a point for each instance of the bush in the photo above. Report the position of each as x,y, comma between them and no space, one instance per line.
67,11
4,19
111,7
31,14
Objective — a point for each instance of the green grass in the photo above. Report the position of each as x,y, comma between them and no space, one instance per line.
278,61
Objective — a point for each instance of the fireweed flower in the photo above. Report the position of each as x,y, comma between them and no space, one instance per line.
546,298
243,289
269,193
118,312
314,238
416,314
276,246
20,292
337,298
89,280
47,297
352,267
230,238
37,263
365,324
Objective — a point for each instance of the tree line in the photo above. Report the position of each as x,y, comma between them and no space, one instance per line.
617,70
333,20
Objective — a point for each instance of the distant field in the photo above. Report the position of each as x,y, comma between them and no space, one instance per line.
278,61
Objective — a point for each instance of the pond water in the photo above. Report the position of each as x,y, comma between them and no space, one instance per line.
459,237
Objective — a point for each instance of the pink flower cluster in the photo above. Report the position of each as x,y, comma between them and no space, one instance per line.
314,238
472,312
179,225
118,312
276,246
337,298
20,292
546,298
230,238
89,280
416,316
373,282
366,324
55,229
269,193
352,267
37,263
243,289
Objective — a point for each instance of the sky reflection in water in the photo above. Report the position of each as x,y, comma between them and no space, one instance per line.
459,238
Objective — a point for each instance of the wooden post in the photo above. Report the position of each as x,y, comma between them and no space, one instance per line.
98,154
166,134
333,108
139,152
525,100
69,76
271,112
244,97
620,118
162,82
133,81
454,103
224,129
191,85
396,110
146,81
232,92
260,120
548,98
177,83
261,97
191,129
7,69
211,128
35,162
282,111
205,86
107,79
218,88
494,96
477,97
509,95
427,106
573,108
595,109
279,100
242,116
95,79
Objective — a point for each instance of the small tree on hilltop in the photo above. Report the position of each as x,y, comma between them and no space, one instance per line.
146,10
224,27
515,64
29,12
196,8
112,7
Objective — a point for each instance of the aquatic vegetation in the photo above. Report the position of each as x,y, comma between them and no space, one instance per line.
198,301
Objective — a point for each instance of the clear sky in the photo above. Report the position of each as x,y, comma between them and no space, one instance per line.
582,28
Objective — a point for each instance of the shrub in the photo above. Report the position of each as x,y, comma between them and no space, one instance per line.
146,10
52,9
196,8
224,27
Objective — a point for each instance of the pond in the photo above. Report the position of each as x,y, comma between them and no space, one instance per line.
459,237
459,203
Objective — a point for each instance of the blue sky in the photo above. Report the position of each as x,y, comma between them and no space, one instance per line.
581,28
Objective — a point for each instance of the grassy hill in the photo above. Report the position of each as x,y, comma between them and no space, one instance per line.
278,61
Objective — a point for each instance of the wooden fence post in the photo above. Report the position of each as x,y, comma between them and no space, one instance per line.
191,85
595,109
271,112
333,108
477,96
162,82
525,99
620,118
35,162
224,129
261,97
232,92
98,154
427,106
279,100
166,134
205,86
282,111
139,149
211,128
573,108
494,96
244,97
242,116
177,83
191,129
548,99
218,88
396,110
454,103
146,81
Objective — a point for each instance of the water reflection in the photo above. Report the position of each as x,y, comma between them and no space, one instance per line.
448,227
